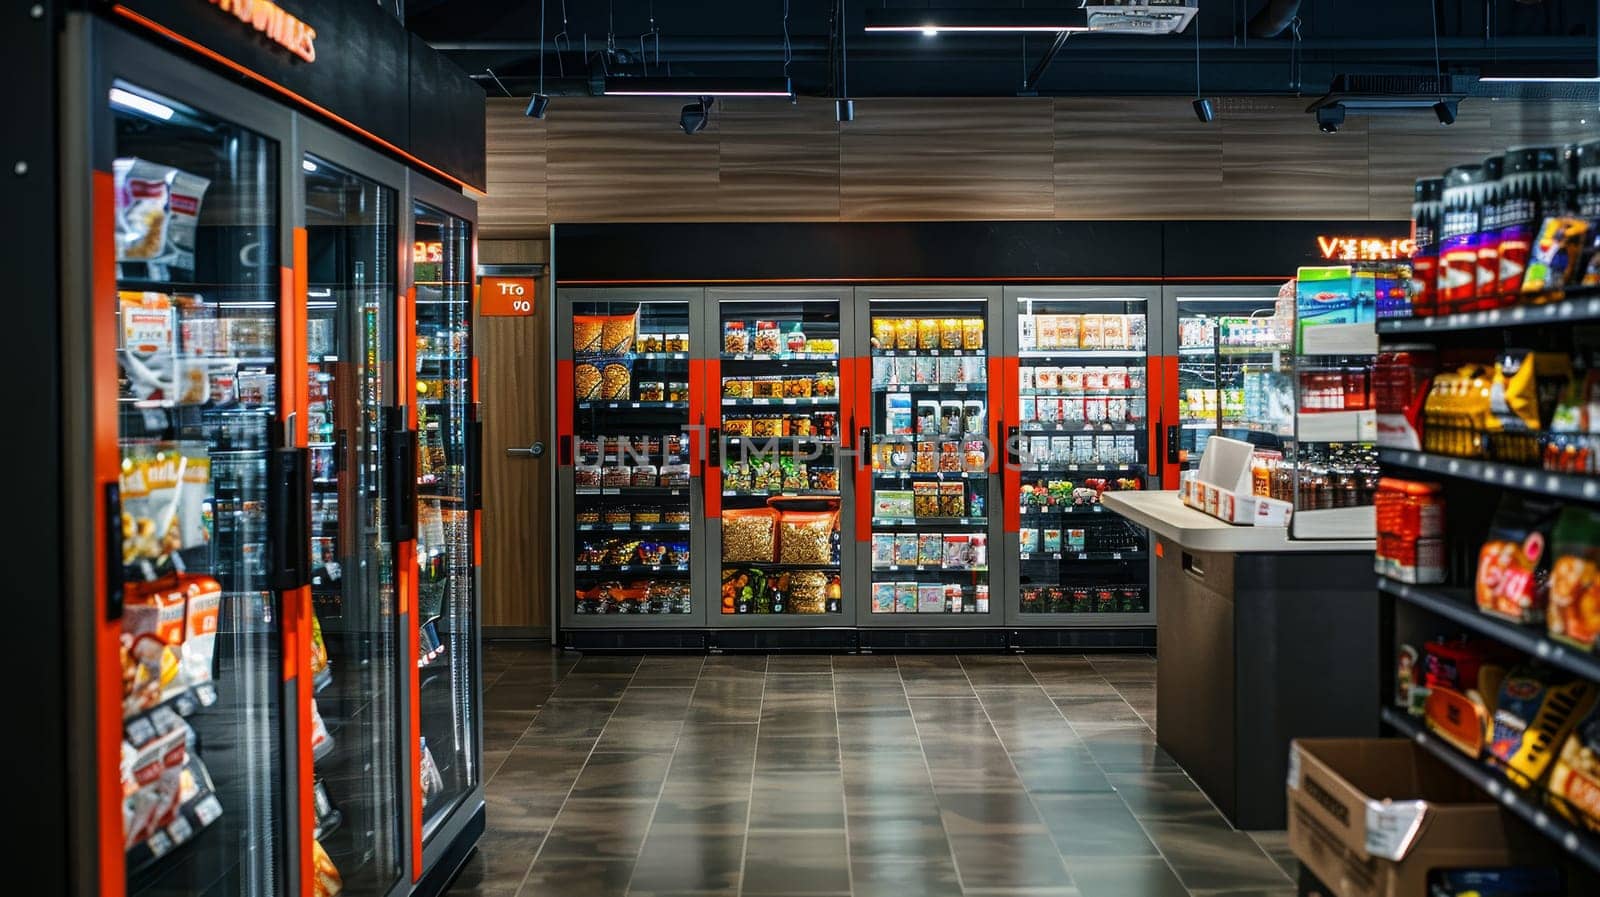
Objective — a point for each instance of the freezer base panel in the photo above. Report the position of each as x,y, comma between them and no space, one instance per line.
851,640
601,640
933,640
438,876
1065,639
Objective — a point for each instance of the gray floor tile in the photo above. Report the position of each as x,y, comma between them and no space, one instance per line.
1209,858
800,663
797,753
589,877
989,812
675,860
498,866
1008,862
797,800
622,774
1093,825
1097,710
598,829
1125,877
796,863
606,665
1166,796
931,876
571,719
880,837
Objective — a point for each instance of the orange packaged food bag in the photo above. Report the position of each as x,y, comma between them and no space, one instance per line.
1574,615
749,535
806,537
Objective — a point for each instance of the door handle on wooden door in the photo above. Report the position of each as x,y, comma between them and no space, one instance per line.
533,451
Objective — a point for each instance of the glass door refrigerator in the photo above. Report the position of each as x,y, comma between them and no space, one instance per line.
927,476
1078,424
776,480
359,440
180,474
1235,350
630,419
449,496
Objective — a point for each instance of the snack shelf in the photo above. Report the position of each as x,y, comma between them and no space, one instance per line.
781,493
781,356
1060,354
1083,556
1525,804
633,568
1581,304
661,356
778,565
930,387
1084,431
1075,511
1082,468
142,725
639,406
926,568
931,474
1061,393
761,441
1575,487
930,521
632,490
929,353
633,527
1456,605
805,401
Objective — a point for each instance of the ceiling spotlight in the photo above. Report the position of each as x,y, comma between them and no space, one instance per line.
1203,110
844,110
538,105
930,32
695,115
1329,118
1445,111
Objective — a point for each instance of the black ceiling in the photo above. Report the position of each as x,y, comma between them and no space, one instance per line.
744,38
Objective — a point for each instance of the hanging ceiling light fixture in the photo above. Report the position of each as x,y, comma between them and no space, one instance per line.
931,22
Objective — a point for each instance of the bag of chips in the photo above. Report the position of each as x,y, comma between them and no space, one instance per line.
1575,778
1537,708
1574,614
1514,562
157,211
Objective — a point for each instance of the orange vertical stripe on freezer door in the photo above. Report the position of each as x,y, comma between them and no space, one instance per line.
406,565
296,620
107,464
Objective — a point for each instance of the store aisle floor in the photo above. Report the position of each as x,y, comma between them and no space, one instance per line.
868,775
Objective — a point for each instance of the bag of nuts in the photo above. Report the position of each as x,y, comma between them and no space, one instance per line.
806,537
749,535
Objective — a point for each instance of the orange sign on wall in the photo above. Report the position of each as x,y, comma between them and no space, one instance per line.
275,24
506,296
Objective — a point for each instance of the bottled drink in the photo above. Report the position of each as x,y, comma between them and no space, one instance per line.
1427,211
1458,240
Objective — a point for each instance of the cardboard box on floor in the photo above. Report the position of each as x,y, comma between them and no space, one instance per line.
1370,818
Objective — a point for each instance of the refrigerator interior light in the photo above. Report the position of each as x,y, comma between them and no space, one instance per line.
132,101
308,165
930,22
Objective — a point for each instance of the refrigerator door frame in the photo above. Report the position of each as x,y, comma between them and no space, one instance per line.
994,297
712,339
1155,323
429,192
1171,343
352,157
96,55
566,519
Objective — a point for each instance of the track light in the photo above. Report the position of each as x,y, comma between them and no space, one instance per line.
538,105
844,110
695,115
1204,111
1445,111
1329,118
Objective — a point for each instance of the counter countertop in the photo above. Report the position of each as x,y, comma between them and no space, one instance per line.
1165,514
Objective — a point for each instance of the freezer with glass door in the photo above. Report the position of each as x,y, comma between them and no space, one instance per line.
927,471
630,444
182,500
777,482
348,254
1234,346
447,721
1078,425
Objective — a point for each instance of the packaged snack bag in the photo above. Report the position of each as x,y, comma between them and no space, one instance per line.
1537,708
1575,779
328,882
806,537
905,549
882,550
1574,614
158,208
905,597
883,597
1514,562
957,551
930,598
148,344
321,739
930,549
1555,258
749,535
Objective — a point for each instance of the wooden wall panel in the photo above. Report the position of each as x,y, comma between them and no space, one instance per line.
515,204
1108,166
627,160
947,159
515,368
779,162
597,159
1276,164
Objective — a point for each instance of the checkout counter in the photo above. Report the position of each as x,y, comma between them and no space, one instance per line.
1262,639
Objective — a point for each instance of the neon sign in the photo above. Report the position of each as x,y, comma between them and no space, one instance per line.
1365,249
275,23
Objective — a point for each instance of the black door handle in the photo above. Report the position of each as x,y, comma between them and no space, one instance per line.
401,458
113,551
1013,459
288,471
714,447
474,452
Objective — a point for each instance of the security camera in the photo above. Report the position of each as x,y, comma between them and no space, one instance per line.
1330,118
537,106
1445,111
695,115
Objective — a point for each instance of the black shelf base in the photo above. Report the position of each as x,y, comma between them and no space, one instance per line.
436,880
851,640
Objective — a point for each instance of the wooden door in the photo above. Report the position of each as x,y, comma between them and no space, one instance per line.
514,388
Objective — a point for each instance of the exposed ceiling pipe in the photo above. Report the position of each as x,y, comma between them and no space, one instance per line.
1274,18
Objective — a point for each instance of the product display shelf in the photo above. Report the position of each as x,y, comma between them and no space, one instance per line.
1582,304
1526,805
1084,556
1456,605
1573,487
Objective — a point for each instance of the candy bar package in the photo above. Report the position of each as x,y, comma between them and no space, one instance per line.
883,597
1537,708
1514,562
882,550
157,209
1574,613
905,597
1556,258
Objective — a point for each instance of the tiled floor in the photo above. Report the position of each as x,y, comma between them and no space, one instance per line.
863,775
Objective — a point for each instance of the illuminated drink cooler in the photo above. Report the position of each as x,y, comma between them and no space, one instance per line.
1228,701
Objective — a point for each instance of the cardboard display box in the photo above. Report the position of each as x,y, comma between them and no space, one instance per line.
1371,817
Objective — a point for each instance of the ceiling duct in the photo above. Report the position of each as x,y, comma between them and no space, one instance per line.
1275,18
